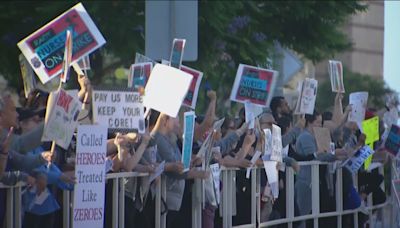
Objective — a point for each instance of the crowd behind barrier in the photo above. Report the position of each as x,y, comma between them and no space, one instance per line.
388,211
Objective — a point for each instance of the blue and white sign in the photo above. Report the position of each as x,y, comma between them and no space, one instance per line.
188,122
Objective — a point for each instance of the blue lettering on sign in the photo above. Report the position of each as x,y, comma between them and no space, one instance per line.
53,44
253,83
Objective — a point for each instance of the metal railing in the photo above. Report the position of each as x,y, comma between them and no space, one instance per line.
227,194
13,216
13,204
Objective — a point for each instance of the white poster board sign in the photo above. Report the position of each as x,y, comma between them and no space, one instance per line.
335,70
118,110
252,111
268,144
253,162
276,154
61,118
91,147
272,175
193,92
166,89
358,102
308,94
216,172
44,49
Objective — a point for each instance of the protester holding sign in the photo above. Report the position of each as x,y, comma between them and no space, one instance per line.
307,145
163,132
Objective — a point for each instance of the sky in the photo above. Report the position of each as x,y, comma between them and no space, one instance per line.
391,65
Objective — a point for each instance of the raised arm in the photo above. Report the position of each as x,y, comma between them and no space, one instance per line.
208,118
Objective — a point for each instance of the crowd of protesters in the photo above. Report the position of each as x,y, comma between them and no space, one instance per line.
23,157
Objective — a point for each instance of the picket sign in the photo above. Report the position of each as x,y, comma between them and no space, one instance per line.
44,49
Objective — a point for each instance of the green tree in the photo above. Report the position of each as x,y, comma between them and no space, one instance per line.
230,32
354,82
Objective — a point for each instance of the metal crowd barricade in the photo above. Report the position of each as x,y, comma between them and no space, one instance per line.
13,216
118,202
227,177
13,205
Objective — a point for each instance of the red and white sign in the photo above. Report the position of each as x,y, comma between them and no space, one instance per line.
44,49
253,84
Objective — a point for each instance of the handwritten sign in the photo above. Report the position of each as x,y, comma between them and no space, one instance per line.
166,89
358,101
335,70
371,129
323,138
216,172
191,96
308,94
355,162
276,154
253,84
392,143
44,49
118,110
91,147
178,45
139,74
188,128
61,118
267,144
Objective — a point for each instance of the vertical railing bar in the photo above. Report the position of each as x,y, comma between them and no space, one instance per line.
18,214
253,197
225,208
290,194
158,204
66,204
121,203
164,196
115,203
258,170
339,195
315,192
10,207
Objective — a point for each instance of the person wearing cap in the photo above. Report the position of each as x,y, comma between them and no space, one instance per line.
29,118
9,118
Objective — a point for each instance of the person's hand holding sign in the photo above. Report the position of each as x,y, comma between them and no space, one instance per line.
85,93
